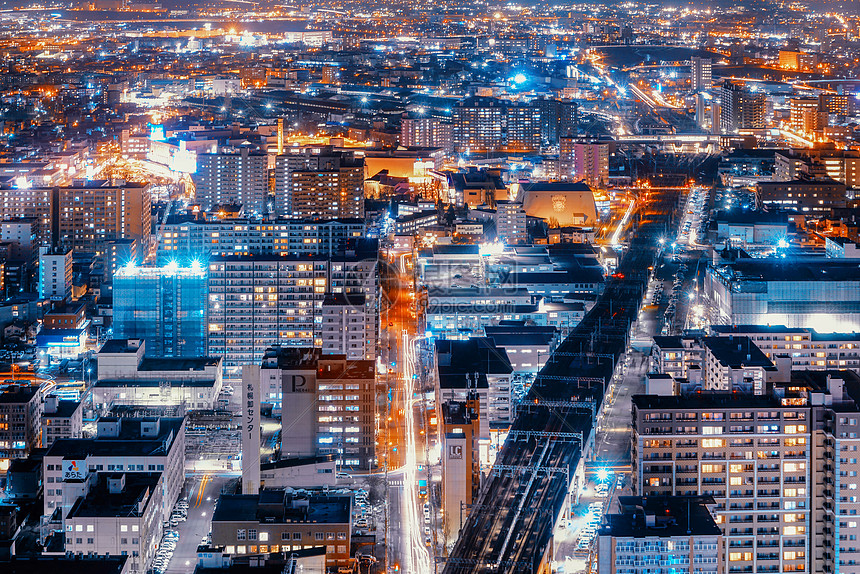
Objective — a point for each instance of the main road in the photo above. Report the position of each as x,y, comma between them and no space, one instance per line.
406,549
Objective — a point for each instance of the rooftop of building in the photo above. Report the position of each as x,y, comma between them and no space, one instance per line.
737,216
662,517
105,501
471,356
297,461
178,364
557,186
736,351
344,299
155,383
328,366
458,413
790,270
756,329
65,409
129,441
54,564
280,506
115,346
14,394
706,400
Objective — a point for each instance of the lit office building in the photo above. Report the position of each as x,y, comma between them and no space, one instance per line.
327,404
166,306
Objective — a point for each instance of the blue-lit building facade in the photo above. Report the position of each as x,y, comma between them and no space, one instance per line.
166,306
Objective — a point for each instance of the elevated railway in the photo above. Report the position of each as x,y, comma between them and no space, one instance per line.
510,527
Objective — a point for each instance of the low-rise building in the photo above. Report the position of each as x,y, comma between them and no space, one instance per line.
127,445
278,521
126,376
20,422
61,419
117,514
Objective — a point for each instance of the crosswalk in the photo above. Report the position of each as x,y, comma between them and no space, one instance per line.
395,483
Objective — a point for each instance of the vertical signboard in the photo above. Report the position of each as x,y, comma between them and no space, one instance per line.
250,429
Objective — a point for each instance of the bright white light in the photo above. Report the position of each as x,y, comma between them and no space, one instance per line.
495,248
520,78
782,243
172,266
602,474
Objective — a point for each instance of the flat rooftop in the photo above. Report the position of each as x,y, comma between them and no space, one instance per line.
661,517
101,502
183,364
275,505
736,351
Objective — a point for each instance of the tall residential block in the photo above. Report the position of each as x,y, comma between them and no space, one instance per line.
583,160
740,109
83,217
319,183
425,131
701,79
233,177
780,466
257,302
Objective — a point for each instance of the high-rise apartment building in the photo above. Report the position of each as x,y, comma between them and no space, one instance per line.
83,217
478,125
523,127
344,325
185,240
257,302
740,109
511,222
425,131
166,306
233,177
701,79
558,118
806,115
583,160
482,124
779,467
319,183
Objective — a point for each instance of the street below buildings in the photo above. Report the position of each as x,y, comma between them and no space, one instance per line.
203,492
